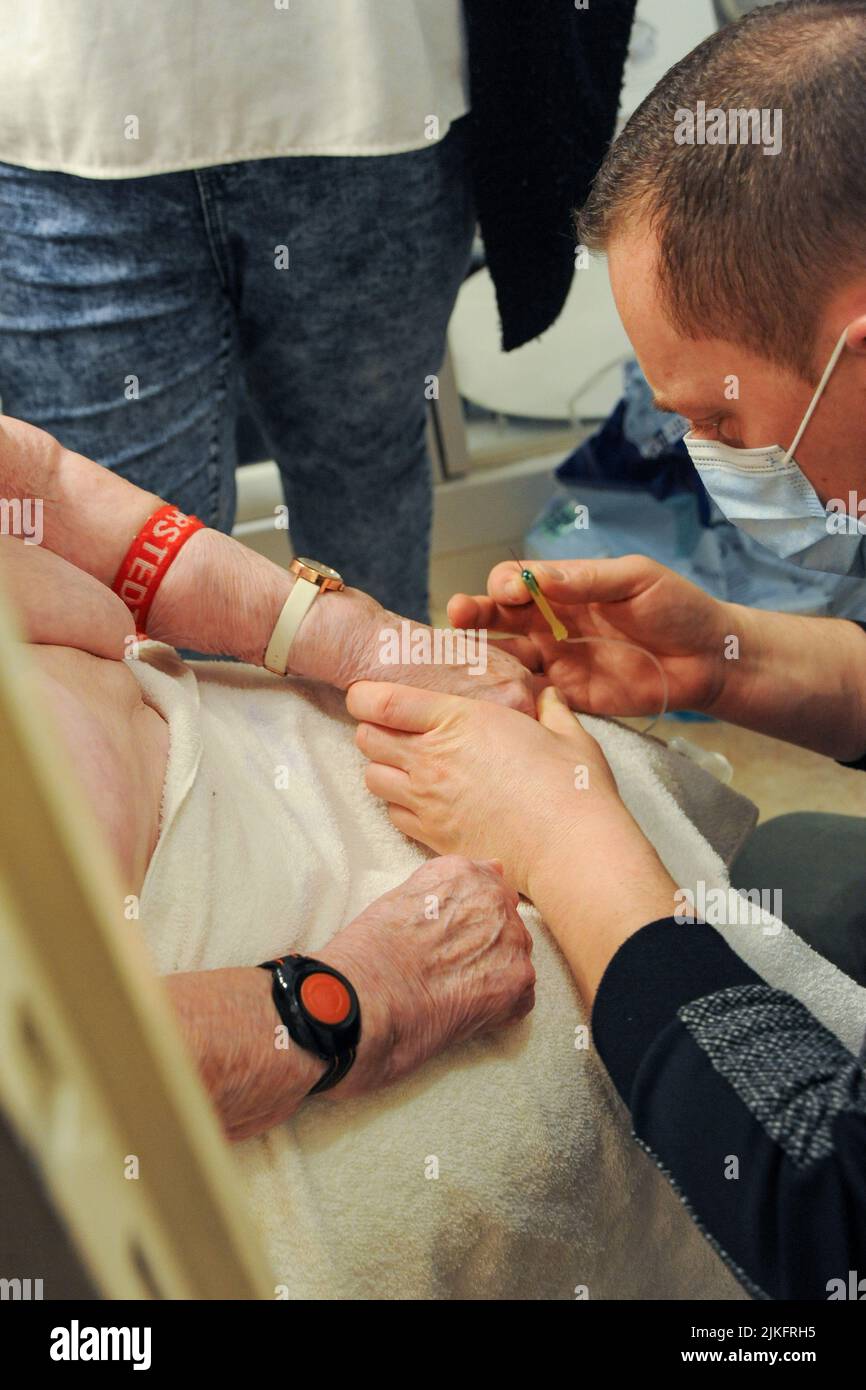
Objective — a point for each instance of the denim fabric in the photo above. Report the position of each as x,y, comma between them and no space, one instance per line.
173,280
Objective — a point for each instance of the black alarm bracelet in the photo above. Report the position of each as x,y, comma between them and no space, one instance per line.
320,1010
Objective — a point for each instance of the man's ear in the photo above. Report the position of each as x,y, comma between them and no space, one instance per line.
855,339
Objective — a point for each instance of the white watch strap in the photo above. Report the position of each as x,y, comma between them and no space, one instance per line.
290,619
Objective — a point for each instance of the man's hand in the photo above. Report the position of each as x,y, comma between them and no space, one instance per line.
442,958
797,678
632,599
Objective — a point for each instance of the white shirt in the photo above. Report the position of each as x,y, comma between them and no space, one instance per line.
120,88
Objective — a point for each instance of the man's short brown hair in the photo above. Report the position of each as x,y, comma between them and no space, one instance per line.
752,246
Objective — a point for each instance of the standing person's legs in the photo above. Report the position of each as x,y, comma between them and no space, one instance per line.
346,271
116,334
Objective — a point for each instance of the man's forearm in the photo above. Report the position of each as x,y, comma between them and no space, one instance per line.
797,678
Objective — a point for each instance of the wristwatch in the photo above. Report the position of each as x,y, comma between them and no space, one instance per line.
320,1010
311,579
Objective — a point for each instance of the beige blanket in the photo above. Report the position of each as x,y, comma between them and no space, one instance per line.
503,1169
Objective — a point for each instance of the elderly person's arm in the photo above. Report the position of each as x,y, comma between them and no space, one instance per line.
218,596
424,981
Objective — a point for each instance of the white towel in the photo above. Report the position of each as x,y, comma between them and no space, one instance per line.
781,957
505,1167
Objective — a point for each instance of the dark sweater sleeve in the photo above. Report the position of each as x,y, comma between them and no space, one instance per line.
753,1110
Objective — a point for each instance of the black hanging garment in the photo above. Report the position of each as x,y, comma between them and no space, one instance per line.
544,86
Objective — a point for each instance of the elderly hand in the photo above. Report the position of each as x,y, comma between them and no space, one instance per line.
468,778
349,637
441,958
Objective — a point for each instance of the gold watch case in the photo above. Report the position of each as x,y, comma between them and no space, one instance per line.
317,573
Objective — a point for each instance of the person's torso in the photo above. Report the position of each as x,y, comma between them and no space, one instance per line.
114,89
117,744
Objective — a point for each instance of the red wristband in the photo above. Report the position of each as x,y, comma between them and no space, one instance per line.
147,559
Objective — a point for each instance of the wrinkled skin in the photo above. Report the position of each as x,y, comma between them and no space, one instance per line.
426,981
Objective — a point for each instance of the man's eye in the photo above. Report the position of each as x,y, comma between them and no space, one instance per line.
733,441
713,429
705,426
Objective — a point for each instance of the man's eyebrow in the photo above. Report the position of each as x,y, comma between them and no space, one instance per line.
689,412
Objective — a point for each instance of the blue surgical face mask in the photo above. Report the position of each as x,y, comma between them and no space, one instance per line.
764,492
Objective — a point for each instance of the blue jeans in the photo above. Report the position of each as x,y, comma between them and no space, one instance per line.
137,317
